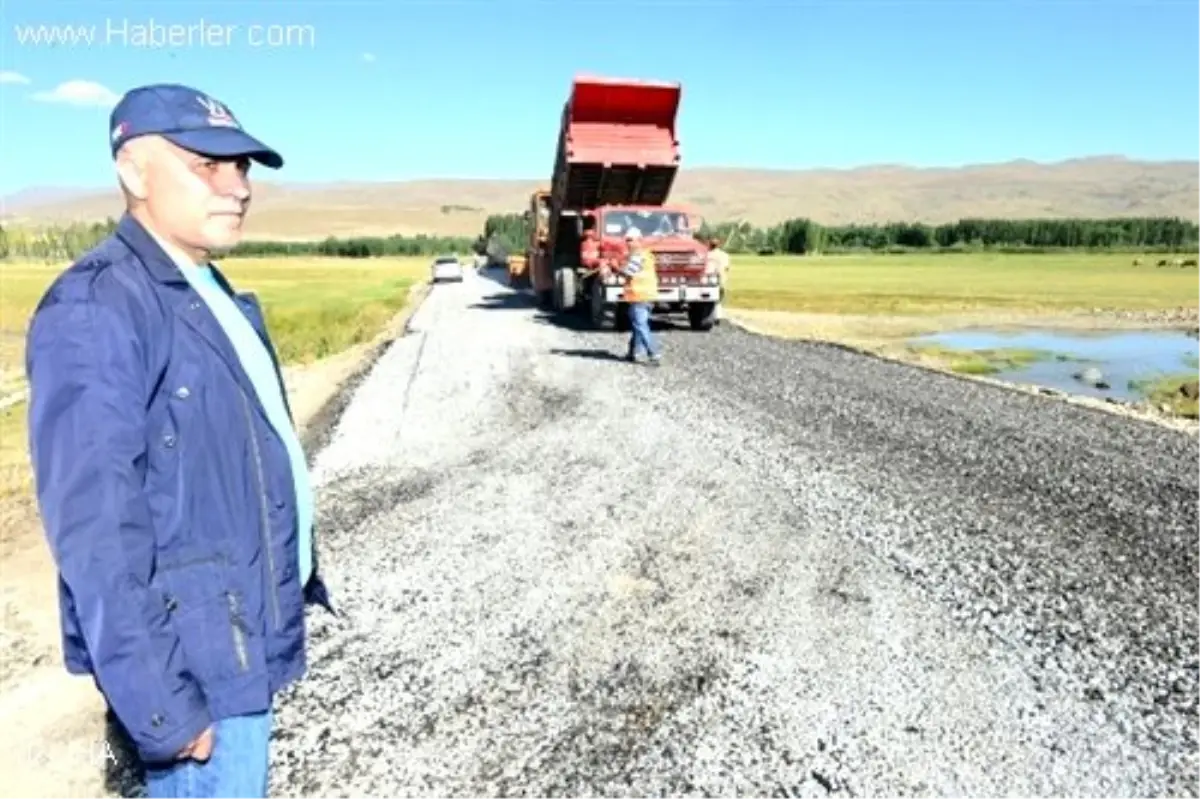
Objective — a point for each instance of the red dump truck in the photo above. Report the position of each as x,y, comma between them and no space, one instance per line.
617,158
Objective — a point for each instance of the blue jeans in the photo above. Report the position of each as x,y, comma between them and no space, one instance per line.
642,340
237,766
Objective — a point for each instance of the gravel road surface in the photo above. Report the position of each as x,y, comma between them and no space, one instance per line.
766,568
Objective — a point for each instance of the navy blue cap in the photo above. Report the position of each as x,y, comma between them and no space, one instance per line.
188,118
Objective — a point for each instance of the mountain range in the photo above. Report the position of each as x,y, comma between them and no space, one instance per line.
1103,186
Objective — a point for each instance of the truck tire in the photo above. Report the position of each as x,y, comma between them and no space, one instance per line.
597,308
702,315
564,289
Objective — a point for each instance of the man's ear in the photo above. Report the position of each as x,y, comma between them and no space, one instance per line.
131,171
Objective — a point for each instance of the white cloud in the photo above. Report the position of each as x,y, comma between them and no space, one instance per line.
369,58
7,76
81,93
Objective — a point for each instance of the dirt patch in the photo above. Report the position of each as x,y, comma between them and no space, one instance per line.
618,718
530,404
357,498
56,738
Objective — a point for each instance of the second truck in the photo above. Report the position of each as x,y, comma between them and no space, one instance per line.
617,158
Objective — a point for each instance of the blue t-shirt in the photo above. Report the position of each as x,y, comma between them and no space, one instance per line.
257,363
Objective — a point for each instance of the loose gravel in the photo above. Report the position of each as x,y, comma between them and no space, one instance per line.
767,568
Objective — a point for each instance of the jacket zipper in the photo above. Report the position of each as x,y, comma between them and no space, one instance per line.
239,637
262,502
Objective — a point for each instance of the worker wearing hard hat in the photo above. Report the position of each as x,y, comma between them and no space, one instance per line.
641,291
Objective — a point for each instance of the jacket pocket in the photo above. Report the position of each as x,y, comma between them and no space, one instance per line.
219,632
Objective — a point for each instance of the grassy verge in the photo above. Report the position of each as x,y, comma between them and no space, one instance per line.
980,362
1174,394
315,307
318,308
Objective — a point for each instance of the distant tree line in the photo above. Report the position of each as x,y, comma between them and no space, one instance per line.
505,233
56,243
357,247
804,236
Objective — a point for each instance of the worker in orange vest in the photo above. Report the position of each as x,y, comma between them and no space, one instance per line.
641,291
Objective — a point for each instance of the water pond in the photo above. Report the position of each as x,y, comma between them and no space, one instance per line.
1102,364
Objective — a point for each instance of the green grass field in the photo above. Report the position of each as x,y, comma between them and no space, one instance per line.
916,285
315,307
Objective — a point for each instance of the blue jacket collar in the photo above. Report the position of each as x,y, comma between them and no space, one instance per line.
157,262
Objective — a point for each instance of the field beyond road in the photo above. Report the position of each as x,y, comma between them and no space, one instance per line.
930,285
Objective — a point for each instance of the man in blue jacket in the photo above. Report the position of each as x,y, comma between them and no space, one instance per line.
170,480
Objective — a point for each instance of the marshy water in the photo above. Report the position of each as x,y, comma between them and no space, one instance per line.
1102,364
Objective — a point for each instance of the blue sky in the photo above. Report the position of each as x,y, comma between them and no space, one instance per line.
352,90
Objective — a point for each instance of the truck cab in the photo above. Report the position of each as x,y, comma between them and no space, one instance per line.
684,281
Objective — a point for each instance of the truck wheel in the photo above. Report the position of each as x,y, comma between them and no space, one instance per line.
702,315
597,310
564,289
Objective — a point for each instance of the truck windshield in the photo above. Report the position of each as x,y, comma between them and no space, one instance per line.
650,223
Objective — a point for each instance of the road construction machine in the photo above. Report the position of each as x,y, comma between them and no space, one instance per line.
537,218
617,158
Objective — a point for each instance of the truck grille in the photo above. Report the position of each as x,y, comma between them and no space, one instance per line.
673,260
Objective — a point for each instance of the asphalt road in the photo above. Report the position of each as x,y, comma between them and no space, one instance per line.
766,568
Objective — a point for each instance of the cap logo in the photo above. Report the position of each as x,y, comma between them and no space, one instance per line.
217,113
119,130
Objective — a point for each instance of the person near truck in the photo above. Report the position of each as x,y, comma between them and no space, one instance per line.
169,477
718,263
718,259
641,292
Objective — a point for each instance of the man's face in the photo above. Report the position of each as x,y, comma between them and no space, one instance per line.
634,244
199,201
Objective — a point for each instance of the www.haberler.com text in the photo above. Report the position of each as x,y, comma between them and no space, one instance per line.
152,34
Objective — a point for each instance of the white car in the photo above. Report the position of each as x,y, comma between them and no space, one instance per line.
447,269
